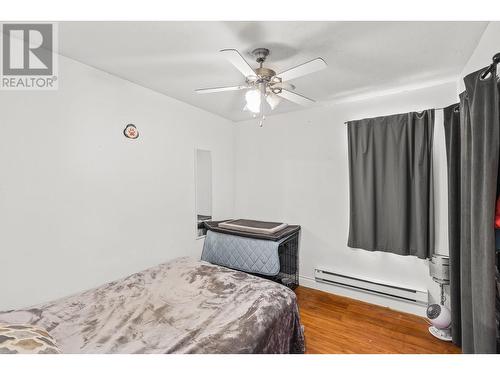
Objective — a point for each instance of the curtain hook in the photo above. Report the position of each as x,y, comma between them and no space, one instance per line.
496,58
491,68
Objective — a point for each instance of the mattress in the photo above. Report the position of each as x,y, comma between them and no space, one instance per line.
183,306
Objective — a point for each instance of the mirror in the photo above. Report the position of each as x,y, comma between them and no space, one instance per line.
203,172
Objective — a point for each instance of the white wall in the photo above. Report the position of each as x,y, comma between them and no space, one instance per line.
295,170
488,45
79,203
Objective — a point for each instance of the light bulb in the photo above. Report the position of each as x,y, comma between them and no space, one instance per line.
253,100
273,100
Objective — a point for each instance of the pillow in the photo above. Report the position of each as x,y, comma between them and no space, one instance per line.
26,339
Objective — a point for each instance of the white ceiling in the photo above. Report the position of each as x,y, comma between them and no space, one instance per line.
175,58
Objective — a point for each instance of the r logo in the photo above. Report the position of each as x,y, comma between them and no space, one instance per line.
27,49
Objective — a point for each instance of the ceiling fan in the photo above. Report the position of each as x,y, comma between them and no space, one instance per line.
264,84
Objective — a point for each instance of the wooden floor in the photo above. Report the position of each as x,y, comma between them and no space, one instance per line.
335,324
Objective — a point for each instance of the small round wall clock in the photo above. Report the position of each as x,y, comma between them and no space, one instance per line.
131,131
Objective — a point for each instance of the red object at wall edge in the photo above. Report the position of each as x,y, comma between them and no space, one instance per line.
497,214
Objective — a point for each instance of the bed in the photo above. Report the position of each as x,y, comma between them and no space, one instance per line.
183,306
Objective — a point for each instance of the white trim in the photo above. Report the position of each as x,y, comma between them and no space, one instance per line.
391,303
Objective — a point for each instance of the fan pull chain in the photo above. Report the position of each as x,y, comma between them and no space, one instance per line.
261,121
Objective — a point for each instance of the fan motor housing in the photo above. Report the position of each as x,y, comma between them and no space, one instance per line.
260,56
265,73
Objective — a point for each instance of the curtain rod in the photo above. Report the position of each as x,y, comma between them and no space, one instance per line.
436,109
493,65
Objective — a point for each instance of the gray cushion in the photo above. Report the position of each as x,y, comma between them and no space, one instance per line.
242,253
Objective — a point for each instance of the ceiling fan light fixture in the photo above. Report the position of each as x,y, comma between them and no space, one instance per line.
264,85
273,100
253,99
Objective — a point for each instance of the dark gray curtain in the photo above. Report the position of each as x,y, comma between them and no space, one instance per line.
451,119
390,184
473,154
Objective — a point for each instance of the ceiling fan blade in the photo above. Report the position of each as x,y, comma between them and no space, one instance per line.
283,85
303,69
235,58
295,98
220,89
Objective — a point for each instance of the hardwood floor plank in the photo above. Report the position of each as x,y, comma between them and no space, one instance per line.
335,324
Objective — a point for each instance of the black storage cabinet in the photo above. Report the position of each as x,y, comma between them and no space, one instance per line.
288,251
289,262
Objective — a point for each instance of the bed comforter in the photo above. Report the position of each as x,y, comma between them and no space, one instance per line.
183,306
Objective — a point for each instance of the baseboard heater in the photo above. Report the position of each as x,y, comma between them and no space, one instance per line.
376,287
